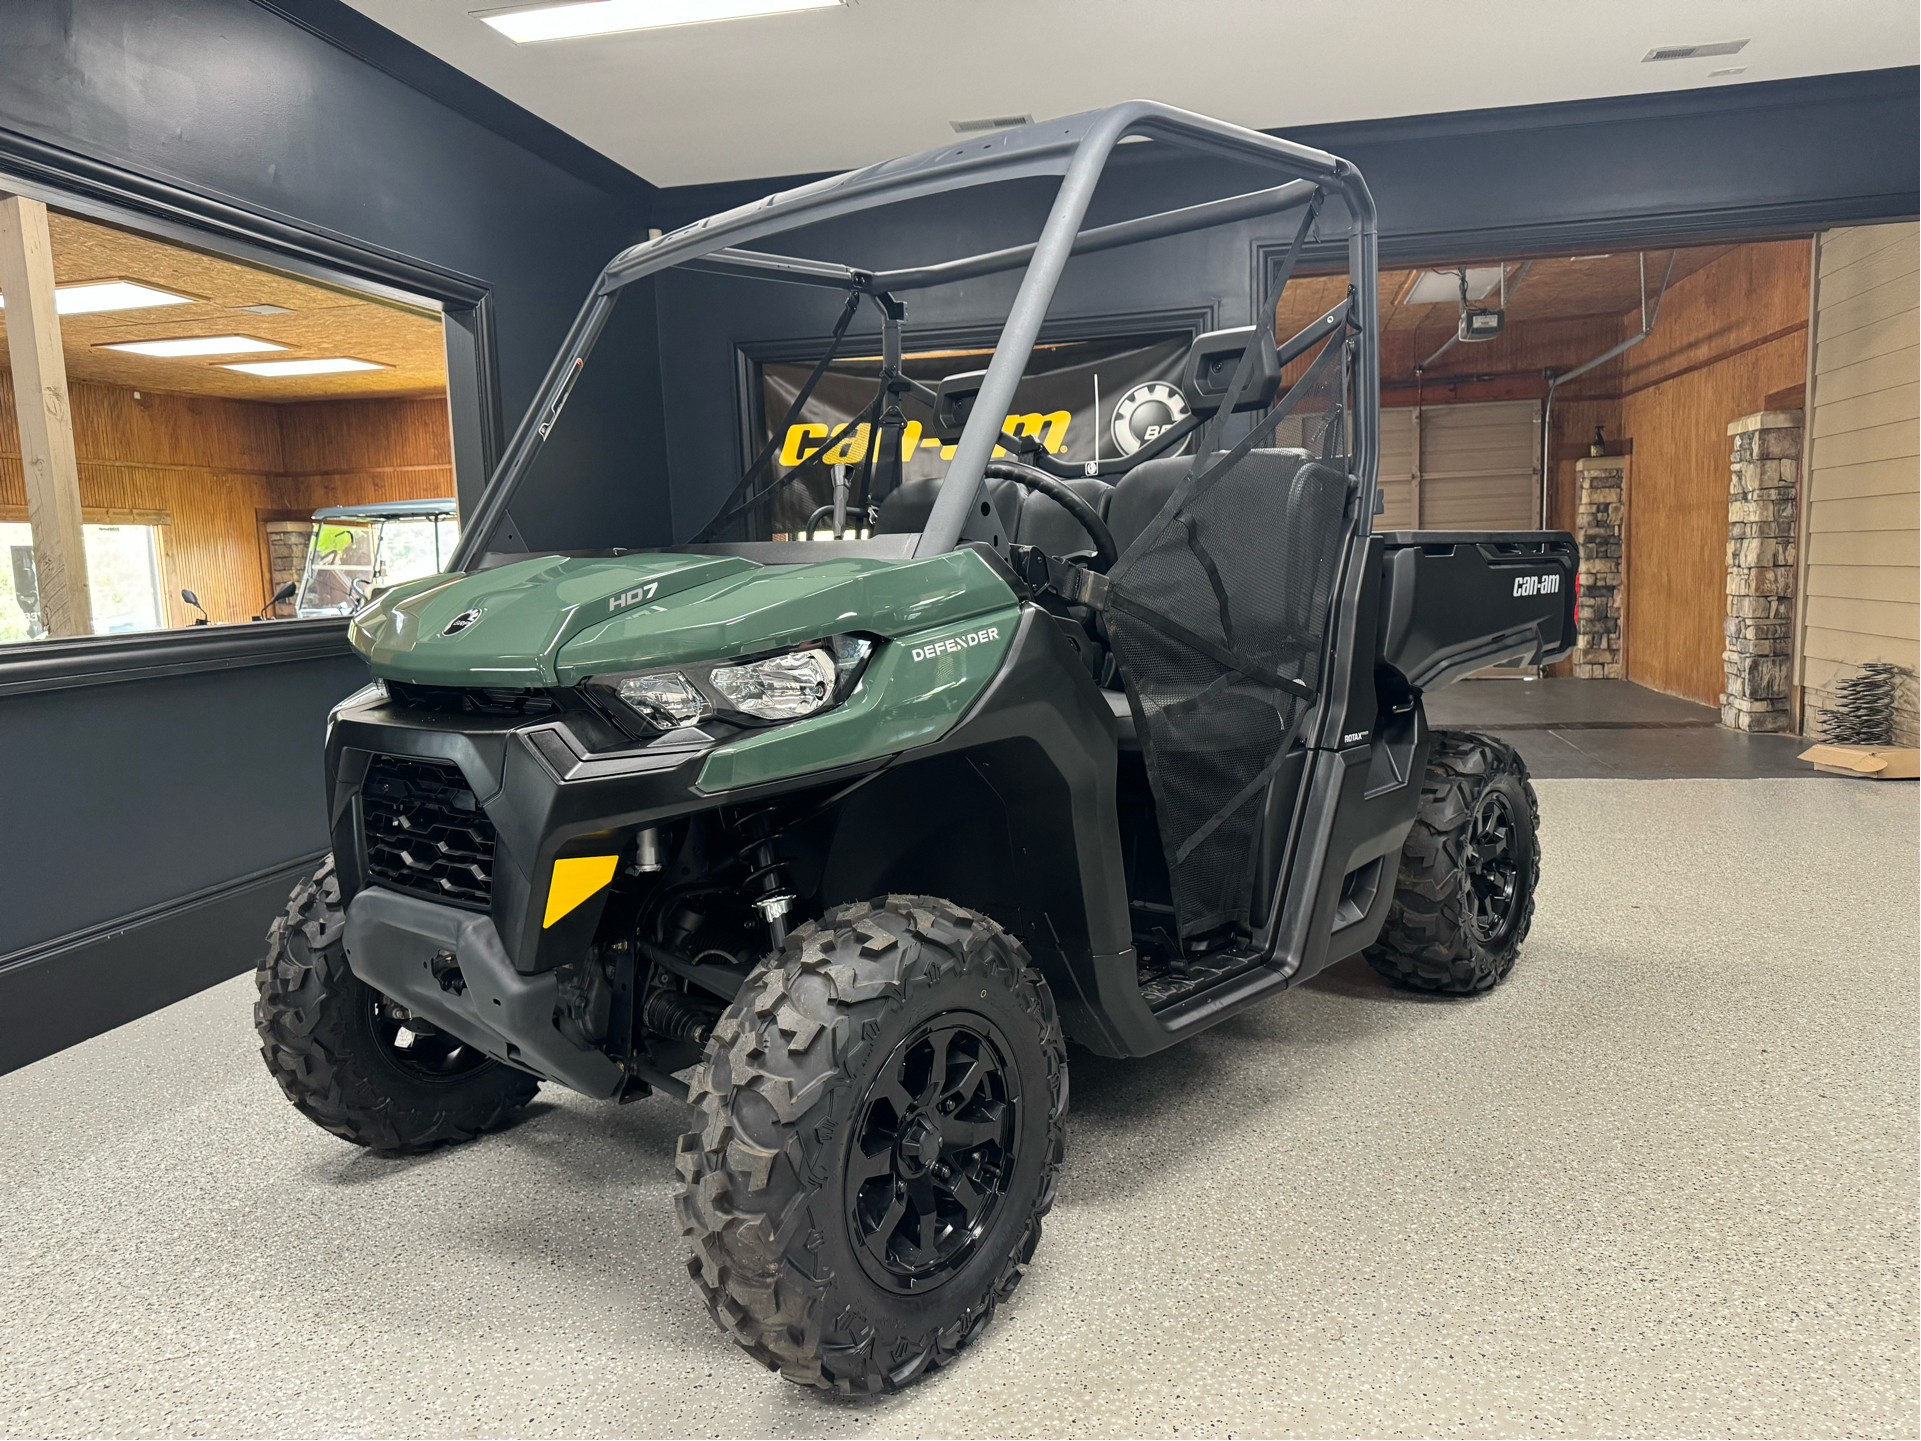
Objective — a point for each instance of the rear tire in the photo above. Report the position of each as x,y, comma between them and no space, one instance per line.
885,1106
1465,896
333,1043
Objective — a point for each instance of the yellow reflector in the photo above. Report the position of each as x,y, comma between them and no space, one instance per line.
575,879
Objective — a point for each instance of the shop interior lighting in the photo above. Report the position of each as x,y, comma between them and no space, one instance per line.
329,366
91,297
573,19
194,345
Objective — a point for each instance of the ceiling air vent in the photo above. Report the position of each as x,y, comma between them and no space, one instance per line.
989,122
1692,52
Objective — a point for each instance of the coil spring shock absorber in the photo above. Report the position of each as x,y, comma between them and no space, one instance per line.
766,884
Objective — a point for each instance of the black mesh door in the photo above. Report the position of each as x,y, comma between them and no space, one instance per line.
1218,615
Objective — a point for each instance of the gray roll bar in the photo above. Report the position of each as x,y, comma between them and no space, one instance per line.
1075,148
1107,237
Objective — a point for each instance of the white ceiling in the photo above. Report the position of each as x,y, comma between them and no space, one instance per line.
831,89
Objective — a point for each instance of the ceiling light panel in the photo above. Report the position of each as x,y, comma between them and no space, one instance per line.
193,345
1443,287
94,296
989,122
1692,52
573,19
332,366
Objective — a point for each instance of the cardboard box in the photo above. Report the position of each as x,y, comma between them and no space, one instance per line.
1873,763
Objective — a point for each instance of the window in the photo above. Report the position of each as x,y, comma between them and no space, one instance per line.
249,443
123,580
1083,399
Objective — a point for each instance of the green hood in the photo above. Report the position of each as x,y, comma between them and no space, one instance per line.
551,620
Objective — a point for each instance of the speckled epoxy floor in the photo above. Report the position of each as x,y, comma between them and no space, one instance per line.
1662,1183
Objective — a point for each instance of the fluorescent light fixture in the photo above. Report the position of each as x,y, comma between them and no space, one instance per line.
572,18
1443,287
193,345
1692,52
1728,70
93,296
989,122
302,367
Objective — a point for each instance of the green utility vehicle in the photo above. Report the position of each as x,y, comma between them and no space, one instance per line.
858,834
354,550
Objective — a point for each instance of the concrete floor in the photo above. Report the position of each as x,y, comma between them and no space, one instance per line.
1663,1182
1570,729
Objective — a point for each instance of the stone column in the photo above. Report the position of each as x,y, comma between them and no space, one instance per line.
1763,494
1601,509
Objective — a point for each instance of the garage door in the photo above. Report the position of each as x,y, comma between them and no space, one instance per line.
1466,467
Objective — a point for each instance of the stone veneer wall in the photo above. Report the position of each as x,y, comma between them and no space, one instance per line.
1601,508
1764,486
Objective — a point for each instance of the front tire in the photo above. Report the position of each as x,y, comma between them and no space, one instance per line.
349,1060
885,1111
1464,899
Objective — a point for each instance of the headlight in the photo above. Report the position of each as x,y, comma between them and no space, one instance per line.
781,687
666,699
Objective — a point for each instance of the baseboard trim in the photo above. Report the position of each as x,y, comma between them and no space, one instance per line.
69,989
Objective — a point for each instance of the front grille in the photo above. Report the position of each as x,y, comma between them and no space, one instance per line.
472,700
425,832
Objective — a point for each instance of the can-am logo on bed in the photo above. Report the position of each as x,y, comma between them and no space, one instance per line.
1549,584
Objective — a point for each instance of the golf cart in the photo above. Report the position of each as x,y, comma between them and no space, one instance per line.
356,549
864,830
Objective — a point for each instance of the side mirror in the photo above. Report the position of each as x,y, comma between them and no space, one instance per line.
954,402
193,600
287,588
1211,363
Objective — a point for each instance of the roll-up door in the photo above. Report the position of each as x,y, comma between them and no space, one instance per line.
1466,467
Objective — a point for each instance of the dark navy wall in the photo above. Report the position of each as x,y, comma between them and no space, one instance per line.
151,825
1742,162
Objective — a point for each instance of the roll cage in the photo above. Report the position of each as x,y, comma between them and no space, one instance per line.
1077,149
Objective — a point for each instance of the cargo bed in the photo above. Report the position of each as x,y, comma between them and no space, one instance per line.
1457,601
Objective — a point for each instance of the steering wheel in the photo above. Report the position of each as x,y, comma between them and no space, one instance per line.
1063,495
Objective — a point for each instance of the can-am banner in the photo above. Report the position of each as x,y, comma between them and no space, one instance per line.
1085,400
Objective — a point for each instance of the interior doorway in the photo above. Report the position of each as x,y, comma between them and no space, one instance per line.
1687,341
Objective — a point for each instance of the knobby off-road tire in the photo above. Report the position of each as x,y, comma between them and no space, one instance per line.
789,1192
1465,896
334,1053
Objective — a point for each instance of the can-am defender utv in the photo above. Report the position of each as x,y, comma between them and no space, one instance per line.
865,830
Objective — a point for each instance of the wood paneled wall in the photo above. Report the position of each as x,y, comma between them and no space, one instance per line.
1861,597
1728,336
210,469
336,452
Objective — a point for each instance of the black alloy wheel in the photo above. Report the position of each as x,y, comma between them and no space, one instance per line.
1493,874
933,1151
352,1061
882,1122
1464,898
420,1050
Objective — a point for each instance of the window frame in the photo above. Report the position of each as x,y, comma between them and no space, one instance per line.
169,210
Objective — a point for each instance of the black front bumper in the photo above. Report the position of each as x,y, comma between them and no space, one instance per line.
393,944
557,786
